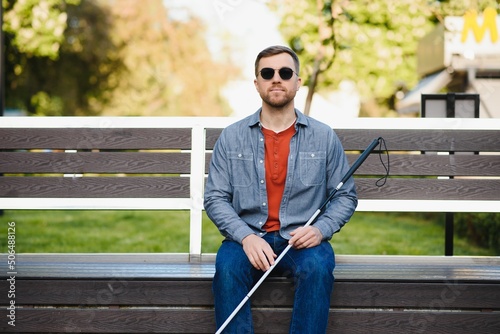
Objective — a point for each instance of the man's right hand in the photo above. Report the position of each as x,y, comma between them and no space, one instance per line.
258,251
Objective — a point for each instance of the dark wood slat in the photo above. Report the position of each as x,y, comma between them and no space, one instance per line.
412,321
117,291
429,189
110,321
423,140
211,136
267,320
95,162
178,187
410,140
422,164
208,157
88,187
90,138
275,292
423,295
430,165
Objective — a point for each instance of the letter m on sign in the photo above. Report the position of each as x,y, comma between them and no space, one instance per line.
489,22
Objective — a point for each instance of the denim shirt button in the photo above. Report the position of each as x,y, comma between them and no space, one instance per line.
264,204
260,223
262,181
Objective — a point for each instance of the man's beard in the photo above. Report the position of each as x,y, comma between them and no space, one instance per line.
276,102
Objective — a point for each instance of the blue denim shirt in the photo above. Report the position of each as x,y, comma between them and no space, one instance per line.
235,192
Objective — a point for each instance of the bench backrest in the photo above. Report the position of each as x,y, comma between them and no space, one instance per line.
160,163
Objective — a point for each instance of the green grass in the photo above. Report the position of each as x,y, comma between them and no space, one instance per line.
98,231
399,234
168,231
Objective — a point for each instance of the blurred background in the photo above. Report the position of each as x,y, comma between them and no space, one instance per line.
195,57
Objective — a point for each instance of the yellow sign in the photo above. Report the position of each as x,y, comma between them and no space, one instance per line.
489,22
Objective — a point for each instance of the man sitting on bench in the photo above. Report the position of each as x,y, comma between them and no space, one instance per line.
269,173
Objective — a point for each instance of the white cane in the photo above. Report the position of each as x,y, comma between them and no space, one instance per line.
349,173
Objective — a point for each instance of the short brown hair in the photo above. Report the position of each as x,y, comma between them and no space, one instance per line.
275,50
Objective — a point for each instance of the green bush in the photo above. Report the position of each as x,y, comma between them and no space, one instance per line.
482,229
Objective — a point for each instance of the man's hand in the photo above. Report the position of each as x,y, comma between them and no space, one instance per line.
258,251
305,237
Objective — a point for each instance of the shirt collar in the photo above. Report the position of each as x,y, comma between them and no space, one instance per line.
254,119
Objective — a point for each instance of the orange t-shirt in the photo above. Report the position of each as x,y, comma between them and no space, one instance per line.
277,149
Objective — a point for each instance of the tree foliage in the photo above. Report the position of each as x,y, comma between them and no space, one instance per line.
168,67
105,57
36,26
374,42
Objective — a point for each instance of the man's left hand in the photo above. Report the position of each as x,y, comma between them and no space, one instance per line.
305,237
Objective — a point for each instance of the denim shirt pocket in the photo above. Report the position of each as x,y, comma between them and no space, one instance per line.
241,164
312,167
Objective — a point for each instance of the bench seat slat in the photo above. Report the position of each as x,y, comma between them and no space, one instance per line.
409,139
430,165
178,187
429,189
181,293
267,320
94,138
423,164
99,187
422,140
95,162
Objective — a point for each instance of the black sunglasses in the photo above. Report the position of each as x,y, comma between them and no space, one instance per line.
285,73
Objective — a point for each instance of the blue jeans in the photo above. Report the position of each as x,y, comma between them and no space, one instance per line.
310,268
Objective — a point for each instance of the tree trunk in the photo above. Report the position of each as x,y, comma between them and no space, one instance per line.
312,85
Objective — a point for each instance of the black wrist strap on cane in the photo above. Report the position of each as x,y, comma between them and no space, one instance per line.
380,182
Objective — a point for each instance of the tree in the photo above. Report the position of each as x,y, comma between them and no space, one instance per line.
103,57
58,55
168,67
374,41
323,49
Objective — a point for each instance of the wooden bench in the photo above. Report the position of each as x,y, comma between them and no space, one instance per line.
74,163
